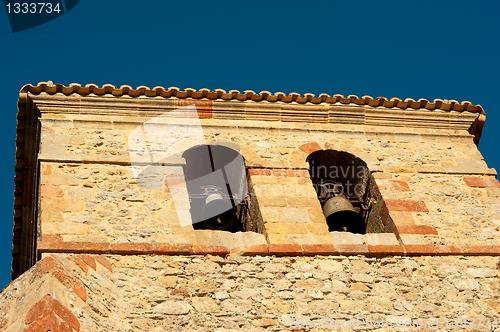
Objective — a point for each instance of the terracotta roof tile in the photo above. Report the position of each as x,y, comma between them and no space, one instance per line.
158,91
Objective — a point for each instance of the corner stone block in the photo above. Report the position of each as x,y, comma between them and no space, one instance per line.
51,191
481,182
175,181
47,169
47,306
60,180
48,322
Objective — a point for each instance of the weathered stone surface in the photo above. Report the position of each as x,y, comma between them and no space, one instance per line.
435,188
237,306
195,288
330,266
205,305
173,308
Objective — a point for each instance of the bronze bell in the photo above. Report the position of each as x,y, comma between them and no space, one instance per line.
218,213
341,216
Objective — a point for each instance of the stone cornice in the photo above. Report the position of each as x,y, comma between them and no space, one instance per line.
326,113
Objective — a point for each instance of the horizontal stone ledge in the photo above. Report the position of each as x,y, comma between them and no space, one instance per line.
53,244
275,118
385,250
377,245
279,172
76,159
454,171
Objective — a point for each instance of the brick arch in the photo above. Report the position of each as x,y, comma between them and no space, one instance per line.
310,147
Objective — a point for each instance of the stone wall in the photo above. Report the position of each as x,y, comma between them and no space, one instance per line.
262,293
64,293
107,216
437,194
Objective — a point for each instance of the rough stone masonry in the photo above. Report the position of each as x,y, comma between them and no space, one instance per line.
98,248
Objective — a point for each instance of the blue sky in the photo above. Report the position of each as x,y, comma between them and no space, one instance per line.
406,49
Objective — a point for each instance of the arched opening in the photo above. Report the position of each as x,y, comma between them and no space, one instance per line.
216,182
341,182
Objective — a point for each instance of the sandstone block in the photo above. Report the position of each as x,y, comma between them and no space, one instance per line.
375,239
295,215
481,182
278,306
470,211
402,218
495,209
358,286
51,217
406,205
236,305
60,180
270,214
264,322
346,238
465,284
52,204
330,266
350,305
51,191
173,308
281,228
248,239
216,238
72,205
167,281
80,193
316,215
311,239
205,305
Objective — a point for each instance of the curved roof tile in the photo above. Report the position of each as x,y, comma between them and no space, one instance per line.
158,91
